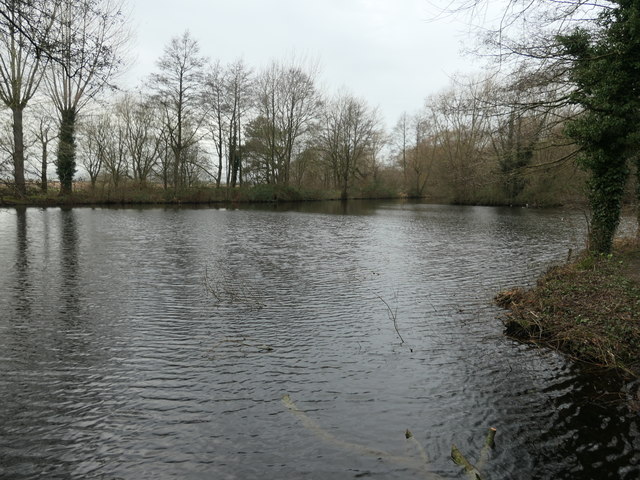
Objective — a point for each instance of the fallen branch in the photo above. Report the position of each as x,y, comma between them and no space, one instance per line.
472,471
485,453
409,462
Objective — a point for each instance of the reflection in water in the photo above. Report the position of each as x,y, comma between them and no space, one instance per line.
124,366
352,207
21,268
69,263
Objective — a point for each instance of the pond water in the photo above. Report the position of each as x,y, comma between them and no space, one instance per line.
159,343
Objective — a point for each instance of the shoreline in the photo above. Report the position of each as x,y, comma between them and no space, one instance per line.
587,309
157,196
154,194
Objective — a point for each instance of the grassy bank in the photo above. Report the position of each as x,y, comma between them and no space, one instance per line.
156,195
588,309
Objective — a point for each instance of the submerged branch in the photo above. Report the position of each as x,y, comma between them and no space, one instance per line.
409,462
472,471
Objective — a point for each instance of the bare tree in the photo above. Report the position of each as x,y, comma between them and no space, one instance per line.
31,19
414,151
306,168
91,35
459,121
115,160
93,132
349,128
401,142
6,151
177,89
142,135
21,70
515,136
44,131
238,91
422,156
288,103
217,122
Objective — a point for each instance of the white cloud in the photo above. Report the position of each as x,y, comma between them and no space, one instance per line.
383,50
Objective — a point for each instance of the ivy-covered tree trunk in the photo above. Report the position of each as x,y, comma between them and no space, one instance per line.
66,162
638,197
605,68
606,190
43,168
18,151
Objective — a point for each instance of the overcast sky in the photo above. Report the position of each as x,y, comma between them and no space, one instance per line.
389,52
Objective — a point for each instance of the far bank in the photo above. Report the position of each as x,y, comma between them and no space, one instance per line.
153,194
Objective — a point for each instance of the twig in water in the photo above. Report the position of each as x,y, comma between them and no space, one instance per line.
432,305
393,315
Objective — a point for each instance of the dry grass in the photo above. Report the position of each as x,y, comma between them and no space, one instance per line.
130,193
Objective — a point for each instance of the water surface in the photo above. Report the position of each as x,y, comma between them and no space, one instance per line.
158,344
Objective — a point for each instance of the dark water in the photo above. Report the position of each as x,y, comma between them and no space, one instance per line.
158,343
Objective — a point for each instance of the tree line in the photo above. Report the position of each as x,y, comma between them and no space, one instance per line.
194,120
198,119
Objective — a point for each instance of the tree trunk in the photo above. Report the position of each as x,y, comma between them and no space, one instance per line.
18,151
165,169
608,179
638,198
44,180
176,167
66,163
234,169
344,194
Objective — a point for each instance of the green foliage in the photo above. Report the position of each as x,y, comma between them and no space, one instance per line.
377,190
605,193
273,193
511,166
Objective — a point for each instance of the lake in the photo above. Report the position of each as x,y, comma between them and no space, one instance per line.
159,343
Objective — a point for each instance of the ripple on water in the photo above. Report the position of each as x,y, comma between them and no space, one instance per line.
158,344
